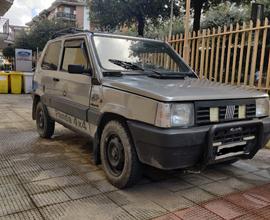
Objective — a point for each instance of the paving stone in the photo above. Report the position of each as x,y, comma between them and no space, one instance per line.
97,207
230,170
253,179
68,181
197,179
6,180
172,202
244,165
214,174
237,184
145,210
8,171
11,190
32,176
52,164
95,175
249,216
174,185
195,213
218,188
224,209
15,204
84,168
81,191
263,173
5,164
25,215
260,164
41,186
263,212
49,198
197,195
59,172
246,201
262,193
123,198
104,186
170,216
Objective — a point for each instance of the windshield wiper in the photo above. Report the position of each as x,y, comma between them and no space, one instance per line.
126,65
170,75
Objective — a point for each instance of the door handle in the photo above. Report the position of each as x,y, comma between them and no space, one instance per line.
56,79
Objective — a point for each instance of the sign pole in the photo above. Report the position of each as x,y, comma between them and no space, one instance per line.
186,44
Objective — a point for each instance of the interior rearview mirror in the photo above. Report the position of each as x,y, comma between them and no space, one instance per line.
78,69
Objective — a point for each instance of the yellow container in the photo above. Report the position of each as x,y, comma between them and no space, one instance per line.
4,82
16,82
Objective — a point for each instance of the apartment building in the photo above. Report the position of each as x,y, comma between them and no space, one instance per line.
72,11
4,23
4,6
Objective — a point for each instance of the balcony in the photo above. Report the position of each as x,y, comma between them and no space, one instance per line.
4,32
5,5
66,16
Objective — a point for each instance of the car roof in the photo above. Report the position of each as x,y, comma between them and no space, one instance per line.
89,33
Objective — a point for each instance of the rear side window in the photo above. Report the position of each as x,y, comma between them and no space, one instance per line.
75,53
51,58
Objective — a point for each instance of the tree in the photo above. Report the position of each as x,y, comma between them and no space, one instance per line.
200,5
39,34
110,14
225,14
9,52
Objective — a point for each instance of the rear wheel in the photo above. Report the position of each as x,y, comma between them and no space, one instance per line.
118,156
45,125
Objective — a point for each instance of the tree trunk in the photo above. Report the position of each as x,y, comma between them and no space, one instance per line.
197,15
141,25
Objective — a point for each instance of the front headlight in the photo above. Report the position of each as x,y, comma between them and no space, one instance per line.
175,115
262,107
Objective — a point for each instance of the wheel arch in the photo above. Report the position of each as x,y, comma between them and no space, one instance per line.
103,120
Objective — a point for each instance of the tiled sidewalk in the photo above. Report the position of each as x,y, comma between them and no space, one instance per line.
56,179
253,204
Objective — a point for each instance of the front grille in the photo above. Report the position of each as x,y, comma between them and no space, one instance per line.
227,110
227,136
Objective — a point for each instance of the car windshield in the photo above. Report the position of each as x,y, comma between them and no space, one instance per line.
119,54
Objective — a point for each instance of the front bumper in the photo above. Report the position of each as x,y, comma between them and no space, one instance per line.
182,148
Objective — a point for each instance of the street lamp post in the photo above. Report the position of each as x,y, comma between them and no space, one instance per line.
186,44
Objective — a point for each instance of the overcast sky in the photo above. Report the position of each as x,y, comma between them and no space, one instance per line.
22,11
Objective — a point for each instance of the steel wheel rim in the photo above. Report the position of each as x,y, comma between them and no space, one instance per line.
115,155
40,119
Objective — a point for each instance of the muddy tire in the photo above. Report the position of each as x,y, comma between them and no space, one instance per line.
45,125
118,155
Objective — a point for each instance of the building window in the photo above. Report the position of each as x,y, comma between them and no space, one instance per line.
67,10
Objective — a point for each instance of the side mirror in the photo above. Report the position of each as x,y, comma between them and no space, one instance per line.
78,69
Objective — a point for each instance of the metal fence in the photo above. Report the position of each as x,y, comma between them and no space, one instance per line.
237,55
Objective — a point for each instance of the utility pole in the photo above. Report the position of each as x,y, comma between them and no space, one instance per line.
171,20
186,44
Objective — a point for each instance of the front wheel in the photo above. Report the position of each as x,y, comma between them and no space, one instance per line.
118,155
45,125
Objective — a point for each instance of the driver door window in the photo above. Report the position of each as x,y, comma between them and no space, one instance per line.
75,53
